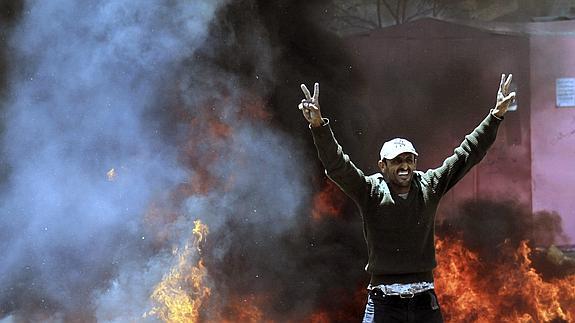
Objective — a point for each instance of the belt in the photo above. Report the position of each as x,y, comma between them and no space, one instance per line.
422,298
403,290
376,291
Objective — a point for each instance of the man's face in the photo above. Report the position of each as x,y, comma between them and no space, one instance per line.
399,171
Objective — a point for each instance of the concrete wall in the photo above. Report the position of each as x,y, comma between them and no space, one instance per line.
433,82
552,128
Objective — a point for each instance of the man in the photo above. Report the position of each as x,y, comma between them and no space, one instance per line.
398,209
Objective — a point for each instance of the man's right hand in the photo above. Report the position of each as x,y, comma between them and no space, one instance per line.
310,106
504,98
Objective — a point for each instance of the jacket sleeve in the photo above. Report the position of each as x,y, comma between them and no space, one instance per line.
338,167
468,154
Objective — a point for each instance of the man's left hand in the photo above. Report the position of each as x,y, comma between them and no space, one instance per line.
504,98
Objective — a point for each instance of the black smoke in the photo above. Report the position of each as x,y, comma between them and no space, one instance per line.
262,241
83,153
494,229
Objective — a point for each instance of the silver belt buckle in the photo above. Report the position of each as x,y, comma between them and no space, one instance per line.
407,295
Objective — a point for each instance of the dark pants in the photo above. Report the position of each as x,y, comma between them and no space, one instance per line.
423,307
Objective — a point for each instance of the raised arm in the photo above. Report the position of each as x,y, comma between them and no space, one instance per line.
338,166
474,146
310,106
504,98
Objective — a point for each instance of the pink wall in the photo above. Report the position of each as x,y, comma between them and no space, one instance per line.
410,71
432,82
552,128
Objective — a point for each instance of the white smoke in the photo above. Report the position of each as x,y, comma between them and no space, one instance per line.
85,89
90,85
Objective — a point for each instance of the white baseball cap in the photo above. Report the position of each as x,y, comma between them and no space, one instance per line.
394,147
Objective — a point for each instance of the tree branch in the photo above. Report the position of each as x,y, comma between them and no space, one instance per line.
353,20
404,10
391,12
419,13
397,10
378,3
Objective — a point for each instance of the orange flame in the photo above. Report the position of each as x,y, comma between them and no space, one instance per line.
182,295
254,108
182,291
349,306
321,317
328,202
111,175
471,290
243,309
